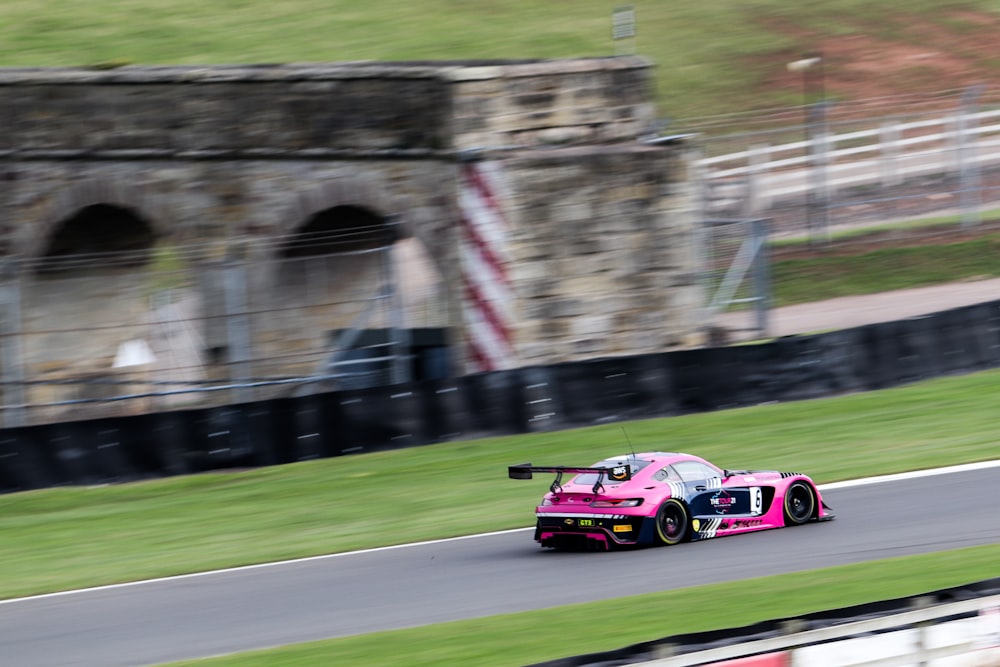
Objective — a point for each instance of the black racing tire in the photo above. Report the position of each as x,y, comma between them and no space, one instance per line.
800,504
672,522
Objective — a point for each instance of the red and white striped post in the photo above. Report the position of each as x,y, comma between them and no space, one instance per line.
487,307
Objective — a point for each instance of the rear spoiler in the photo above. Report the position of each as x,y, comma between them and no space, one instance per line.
621,473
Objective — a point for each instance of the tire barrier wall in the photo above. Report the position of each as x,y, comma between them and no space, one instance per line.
814,638
523,400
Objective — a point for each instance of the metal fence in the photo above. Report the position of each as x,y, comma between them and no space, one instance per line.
174,327
921,168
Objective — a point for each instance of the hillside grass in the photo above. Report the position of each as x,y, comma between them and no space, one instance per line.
828,274
712,57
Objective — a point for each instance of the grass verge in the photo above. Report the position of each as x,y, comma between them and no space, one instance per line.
827,276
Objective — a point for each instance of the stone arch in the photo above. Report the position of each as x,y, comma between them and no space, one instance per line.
327,289
339,229
350,199
88,200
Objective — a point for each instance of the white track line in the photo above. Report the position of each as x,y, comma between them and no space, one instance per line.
243,568
916,474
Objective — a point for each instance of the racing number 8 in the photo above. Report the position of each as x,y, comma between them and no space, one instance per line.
756,500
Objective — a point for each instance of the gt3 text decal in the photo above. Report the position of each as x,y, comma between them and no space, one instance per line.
578,515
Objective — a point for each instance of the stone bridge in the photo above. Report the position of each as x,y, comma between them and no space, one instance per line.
234,219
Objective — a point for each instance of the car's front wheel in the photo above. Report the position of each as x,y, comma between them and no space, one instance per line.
800,503
671,522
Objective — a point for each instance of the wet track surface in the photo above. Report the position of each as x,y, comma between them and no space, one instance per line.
211,614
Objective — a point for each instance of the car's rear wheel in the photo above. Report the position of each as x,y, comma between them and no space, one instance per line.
671,522
800,504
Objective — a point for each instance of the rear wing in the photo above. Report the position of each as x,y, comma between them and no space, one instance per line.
622,473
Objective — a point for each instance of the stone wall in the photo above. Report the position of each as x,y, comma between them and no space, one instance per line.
569,102
188,109
224,162
604,253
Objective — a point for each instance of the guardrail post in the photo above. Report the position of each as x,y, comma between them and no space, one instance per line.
237,323
889,135
761,274
816,192
968,164
758,198
11,330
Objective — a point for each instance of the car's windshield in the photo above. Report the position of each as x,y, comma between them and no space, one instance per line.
590,478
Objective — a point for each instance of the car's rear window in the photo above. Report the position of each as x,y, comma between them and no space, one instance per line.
590,478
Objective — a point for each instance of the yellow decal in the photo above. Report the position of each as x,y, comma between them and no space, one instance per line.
625,528
696,525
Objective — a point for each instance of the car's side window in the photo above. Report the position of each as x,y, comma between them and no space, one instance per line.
693,471
667,474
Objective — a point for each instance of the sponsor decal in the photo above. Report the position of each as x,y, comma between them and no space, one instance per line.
619,473
622,528
722,502
696,525
744,523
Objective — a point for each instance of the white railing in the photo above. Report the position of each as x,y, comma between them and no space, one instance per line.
883,155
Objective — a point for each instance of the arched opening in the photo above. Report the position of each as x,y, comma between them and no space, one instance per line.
96,234
339,229
101,285
359,298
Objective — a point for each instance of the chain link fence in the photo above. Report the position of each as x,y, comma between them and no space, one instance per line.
911,168
171,327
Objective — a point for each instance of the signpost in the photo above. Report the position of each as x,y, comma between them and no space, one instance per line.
623,29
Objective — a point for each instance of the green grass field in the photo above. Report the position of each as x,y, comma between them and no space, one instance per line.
712,57
820,277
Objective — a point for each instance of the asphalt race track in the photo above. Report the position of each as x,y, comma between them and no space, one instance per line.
216,613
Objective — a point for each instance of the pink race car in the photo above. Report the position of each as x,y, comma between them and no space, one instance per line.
666,498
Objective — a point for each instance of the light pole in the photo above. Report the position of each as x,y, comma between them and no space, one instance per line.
814,109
